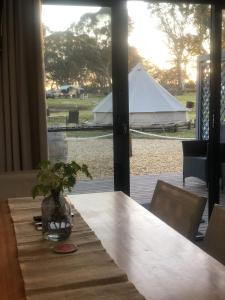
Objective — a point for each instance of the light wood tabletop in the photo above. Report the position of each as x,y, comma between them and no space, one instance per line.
162,264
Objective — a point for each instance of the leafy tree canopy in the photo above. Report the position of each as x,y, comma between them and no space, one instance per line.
186,28
82,53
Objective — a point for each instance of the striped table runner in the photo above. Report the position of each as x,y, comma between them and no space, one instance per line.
88,274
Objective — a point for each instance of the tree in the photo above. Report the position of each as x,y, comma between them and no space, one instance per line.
83,53
184,33
98,58
59,48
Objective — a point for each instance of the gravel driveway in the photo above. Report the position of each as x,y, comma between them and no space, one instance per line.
149,156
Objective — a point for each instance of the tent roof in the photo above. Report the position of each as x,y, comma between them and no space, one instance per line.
145,95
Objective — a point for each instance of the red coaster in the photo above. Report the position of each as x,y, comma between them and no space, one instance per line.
65,248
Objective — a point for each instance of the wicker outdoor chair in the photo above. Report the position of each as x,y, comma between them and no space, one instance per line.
195,160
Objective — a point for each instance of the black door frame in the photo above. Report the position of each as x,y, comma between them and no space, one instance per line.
214,107
120,90
120,96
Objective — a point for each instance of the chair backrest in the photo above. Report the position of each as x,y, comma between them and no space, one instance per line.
195,148
17,184
214,241
178,208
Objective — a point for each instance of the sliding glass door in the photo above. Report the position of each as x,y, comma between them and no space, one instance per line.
79,97
119,109
169,90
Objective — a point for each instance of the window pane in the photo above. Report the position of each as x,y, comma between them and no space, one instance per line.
169,94
77,53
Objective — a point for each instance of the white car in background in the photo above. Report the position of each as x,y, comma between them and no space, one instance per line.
53,94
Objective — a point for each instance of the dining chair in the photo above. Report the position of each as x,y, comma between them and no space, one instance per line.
214,241
17,183
178,208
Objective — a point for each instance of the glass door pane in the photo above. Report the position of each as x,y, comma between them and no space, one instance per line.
169,96
77,54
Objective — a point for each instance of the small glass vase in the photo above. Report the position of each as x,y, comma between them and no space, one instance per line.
56,217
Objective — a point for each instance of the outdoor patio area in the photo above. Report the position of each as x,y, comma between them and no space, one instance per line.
142,188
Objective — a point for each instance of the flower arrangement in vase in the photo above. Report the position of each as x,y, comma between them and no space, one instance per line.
53,180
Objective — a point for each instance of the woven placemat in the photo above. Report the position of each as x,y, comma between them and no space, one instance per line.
89,273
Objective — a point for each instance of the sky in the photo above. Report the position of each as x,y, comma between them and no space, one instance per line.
146,37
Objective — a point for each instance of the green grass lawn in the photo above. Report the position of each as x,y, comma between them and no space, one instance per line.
66,104
91,133
181,134
57,118
189,97
59,109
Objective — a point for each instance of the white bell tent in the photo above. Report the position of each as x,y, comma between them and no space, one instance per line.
149,103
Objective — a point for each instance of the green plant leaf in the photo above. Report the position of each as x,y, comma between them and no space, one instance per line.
57,177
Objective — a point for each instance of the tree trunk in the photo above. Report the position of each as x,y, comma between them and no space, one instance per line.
180,82
179,79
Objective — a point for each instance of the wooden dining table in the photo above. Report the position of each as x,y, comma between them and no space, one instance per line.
161,263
